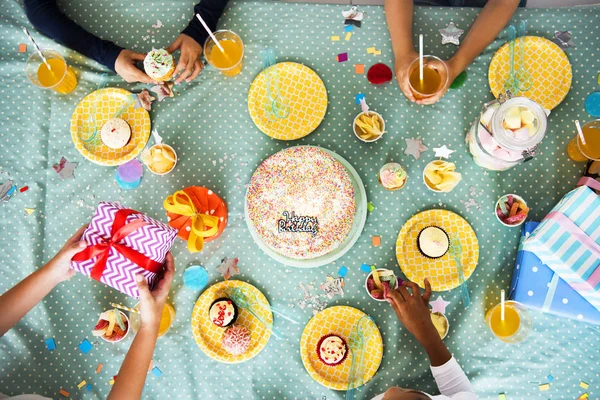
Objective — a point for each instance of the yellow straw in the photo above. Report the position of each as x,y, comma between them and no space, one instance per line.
502,295
421,58
122,307
580,132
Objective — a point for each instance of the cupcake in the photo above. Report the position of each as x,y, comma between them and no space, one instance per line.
332,349
115,133
433,242
223,312
236,340
159,65
392,176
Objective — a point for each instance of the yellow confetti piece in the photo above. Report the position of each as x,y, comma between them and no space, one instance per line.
371,50
598,78
501,396
29,211
544,386
583,396
584,385
112,381
81,384
348,36
335,38
64,393
377,52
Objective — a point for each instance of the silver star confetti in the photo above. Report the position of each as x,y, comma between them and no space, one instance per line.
563,39
451,33
414,147
65,169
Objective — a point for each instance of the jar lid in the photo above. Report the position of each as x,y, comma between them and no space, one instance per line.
506,138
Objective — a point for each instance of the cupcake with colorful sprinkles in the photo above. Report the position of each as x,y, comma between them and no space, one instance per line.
392,176
236,340
159,65
433,242
223,312
332,349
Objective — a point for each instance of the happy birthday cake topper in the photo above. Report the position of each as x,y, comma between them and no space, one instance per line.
292,223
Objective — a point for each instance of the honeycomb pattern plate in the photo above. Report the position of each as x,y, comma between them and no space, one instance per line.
208,336
91,114
442,272
300,88
548,65
339,320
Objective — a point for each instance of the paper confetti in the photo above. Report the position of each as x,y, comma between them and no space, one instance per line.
348,35
22,48
50,344
228,267
451,33
584,385
370,206
353,14
24,189
376,241
7,189
335,38
501,396
377,52
550,378
583,396
342,57
64,393
85,346
544,386
158,24
157,372
81,384
414,147
343,271
29,211
365,268
359,69
439,305
99,368
472,200
348,28
309,300
443,151
144,100
359,97
163,90
89,387
371,50
111,381
333,286
65,169
563,39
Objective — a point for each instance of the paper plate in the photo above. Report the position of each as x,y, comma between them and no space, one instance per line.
339,320
208,336
91,114
548,65
303,92
359,222
442,271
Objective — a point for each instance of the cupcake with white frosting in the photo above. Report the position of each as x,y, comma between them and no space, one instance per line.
159,65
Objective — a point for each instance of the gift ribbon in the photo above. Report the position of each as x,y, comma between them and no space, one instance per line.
200,222
589,182
550,293
119,231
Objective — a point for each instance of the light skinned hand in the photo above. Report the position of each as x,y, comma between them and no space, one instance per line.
153,301
125,67
59,266
189,65
412,309
452,74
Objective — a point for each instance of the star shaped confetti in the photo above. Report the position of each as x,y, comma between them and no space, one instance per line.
563,39
228,267
144,100
443,151
65,169
414,147
333,286
439,305
451,33
163,90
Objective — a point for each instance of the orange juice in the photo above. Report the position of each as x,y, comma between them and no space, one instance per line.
166,319
573,151
60,78
509,326
228,61
430,83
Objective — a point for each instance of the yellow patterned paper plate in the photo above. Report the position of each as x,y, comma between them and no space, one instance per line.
300,88
208,336
548,65
93,111
442,271
339,320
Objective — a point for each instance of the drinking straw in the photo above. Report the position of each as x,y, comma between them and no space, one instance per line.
580,132
421,57
122,307
502,295
210,33
37,49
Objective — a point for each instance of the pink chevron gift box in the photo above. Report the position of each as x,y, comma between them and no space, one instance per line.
121,244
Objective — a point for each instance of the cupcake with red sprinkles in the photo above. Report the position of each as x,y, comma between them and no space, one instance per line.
332,349
223,312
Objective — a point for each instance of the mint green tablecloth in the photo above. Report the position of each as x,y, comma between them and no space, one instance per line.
219,147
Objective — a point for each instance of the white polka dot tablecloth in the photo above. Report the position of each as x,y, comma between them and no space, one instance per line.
219,147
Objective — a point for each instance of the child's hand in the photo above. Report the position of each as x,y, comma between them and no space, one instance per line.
412,309
189,65
451,76
125,67
152,302
401,66
59,266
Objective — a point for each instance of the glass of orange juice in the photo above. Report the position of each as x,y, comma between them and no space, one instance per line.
515,327
230,61
578,151
435,77
60,77
166,320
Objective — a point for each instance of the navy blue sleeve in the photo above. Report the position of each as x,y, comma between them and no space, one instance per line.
210,11
46,17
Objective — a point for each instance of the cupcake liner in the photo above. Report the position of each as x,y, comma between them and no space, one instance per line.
419,247
319,346
235,311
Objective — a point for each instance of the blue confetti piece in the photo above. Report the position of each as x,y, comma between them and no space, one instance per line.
550,378
89,387
359,97
349,28
157,372
50,344
365,268
342,271
85,346
11,191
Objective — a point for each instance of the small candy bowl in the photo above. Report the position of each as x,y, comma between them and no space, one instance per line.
506,203
383,274
117,333
365,119
159,155
441,323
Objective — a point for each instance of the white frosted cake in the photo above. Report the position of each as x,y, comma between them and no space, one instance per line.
301,202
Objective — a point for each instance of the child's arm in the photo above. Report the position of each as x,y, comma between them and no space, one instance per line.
17,302
132,375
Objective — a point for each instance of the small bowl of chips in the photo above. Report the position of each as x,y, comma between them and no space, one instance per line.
368,127
441,176
511,210
113,326
442,326
160,159
379,282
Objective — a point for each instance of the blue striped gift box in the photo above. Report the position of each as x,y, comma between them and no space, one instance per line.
561,250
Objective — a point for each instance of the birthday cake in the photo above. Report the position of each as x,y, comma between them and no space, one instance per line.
301,202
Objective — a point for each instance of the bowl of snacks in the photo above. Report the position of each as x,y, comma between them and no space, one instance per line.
160,158
368,127
112,326
511,210
379,282
442,326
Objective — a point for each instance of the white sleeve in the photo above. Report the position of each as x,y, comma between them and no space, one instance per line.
451,379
